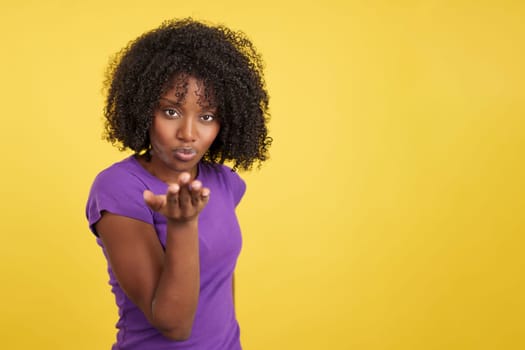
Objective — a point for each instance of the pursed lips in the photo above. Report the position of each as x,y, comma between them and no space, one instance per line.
184,153
185,150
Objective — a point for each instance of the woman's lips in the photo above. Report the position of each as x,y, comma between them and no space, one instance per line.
184,153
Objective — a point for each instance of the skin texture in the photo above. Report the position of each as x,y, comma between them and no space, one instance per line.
165,285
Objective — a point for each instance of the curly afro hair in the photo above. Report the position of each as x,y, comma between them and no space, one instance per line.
224,60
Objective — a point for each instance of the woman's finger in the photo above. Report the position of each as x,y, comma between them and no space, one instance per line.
172,194
154,202
184,191
195,191
205,195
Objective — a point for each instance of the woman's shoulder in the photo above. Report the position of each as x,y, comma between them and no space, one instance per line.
126,173
124,167
224,178
122,181
118,189
216,173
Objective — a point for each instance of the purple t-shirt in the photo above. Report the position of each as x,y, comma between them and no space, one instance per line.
118,189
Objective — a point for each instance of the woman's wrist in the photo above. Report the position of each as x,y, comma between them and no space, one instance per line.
177,225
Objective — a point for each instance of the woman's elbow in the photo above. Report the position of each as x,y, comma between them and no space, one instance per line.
176,328
178,334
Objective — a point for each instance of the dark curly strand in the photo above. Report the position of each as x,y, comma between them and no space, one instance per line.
227,63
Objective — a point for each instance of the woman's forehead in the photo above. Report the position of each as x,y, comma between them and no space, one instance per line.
181,84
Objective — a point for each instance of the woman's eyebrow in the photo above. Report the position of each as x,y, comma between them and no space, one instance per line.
170,101
208,108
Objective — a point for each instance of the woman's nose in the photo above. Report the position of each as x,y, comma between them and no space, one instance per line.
186,130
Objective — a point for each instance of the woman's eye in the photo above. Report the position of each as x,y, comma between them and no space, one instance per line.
207,117
171,113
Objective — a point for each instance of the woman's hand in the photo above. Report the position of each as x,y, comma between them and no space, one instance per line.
182,202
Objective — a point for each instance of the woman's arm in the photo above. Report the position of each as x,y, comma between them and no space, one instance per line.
163,284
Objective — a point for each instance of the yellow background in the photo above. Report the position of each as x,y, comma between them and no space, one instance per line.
390,216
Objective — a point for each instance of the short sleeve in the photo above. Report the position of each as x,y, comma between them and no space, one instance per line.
119,192
236,184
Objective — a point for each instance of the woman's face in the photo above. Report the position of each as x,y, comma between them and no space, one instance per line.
184,127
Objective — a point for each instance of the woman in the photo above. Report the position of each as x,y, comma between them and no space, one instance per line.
185,98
